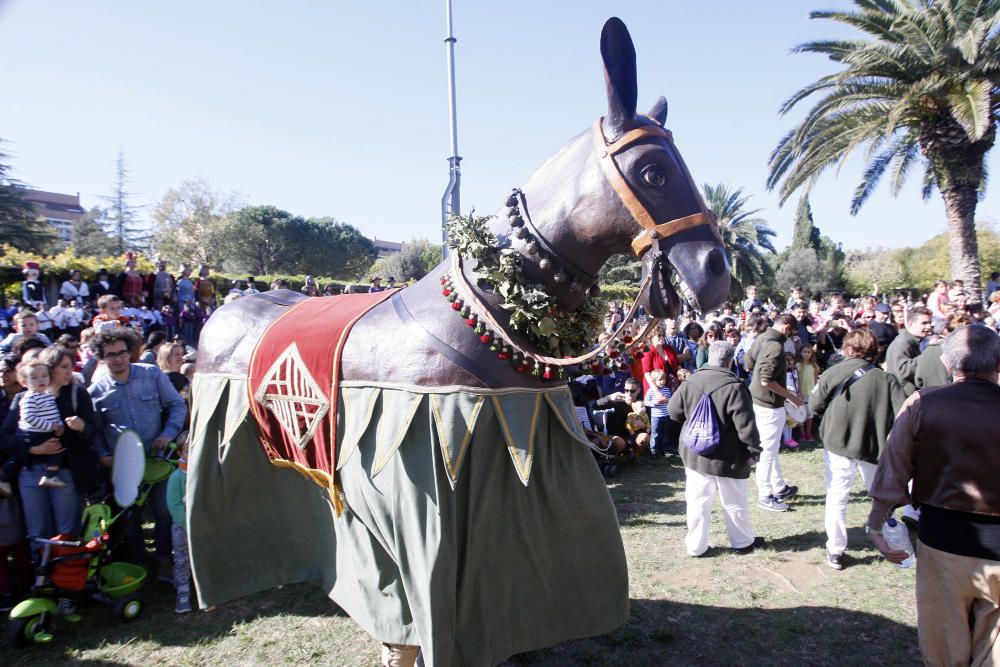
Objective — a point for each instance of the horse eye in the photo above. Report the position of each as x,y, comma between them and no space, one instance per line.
654,175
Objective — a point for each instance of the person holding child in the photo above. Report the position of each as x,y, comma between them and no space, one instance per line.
38,420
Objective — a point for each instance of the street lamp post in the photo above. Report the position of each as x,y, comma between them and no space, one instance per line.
450,202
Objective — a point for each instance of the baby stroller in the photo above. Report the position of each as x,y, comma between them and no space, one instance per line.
81,568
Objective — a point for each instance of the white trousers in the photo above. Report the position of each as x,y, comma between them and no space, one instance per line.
699,491
840,474
770,424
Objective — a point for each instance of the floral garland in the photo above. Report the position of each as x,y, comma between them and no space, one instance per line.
533,312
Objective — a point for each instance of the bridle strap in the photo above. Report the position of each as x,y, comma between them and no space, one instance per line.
651,230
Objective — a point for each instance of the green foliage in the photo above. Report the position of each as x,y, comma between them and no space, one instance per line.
920,88
59,265
189,223
621,269
414,261
805,234
20,225
265,239
533,313
804,267
619,292
748,239
90,236
875,271
123,216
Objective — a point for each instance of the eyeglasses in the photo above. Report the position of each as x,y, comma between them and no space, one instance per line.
116,355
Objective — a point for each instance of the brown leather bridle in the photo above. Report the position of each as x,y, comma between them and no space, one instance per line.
652,232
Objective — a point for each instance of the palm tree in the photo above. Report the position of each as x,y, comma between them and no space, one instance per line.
922,87
746,238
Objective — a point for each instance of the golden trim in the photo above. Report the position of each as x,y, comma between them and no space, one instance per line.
404,428
451,389
569,430
454,468
523,470
347,453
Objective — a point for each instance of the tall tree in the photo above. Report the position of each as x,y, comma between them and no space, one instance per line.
122,215
257,239
747,238
189,222
335,249
20,225
805,234
90,237
922,86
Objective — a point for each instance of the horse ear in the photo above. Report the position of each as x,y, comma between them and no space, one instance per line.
659,111
618,54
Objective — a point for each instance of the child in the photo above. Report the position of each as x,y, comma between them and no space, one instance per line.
792,385
39,418
176,488
656,400
111,314
26,325
808,374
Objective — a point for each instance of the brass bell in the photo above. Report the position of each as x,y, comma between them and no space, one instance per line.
512,200
520,232
545,264
560,276
532,247
515,219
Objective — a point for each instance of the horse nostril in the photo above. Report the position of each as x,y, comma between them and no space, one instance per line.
716,262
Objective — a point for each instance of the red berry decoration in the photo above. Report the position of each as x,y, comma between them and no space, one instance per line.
456,305
486,338
445,292
471,320
503,355
548,374
522,367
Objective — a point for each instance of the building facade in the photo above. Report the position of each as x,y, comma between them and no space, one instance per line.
59,210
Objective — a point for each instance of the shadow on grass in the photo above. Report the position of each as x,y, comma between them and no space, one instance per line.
661,632
816,539
161,626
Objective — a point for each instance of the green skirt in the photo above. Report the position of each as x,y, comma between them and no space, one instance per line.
476,524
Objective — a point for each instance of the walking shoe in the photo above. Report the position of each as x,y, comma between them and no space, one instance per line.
836,561
758,543
787,492
183,605
791,443
772,504
52,482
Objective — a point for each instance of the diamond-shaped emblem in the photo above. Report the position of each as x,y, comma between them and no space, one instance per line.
290,392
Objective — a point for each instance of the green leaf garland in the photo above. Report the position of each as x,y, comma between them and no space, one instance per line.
533,312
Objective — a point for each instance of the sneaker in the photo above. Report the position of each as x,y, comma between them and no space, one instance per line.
787,492
183,605
758,543
5,489
791,443
836,561
772,504
52,482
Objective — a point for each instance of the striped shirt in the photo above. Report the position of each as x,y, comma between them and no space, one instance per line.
657,409
39,413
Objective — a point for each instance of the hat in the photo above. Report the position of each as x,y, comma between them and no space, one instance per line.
882,308
27,266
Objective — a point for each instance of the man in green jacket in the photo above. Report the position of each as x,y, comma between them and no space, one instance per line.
857,401
726,469
766,359
901,357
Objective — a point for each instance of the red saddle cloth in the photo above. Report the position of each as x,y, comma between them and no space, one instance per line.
294,377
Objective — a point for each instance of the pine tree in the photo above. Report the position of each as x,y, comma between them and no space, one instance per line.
805,234
123,217
20,225
89,236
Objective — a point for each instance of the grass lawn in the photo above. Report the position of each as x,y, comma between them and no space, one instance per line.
778,606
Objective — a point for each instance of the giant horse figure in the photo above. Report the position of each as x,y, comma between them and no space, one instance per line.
441,496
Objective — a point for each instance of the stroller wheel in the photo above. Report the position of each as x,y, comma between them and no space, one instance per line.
128,608
24,632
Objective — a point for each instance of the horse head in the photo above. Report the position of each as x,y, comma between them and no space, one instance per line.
622,187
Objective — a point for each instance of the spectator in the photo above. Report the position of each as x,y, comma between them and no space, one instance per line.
808,371
74,317
795,297
136,397
901,356
713,333
675,339
170,358
751,301
938,442
766,360
311,288
176,489
656,399
74,288
937,298
102,285
857,401
993,284
884,331
251,288
376,285
185,287
659,357
26,327
726,469
151,347
692,334
930,370
38,421
110,313
279,283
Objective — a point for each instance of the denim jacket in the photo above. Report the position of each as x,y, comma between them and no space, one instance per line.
138,404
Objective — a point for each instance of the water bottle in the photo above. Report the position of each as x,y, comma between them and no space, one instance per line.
897,536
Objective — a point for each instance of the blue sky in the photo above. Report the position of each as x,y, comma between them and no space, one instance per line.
339,108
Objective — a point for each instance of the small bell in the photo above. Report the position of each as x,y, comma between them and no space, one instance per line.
595,289
545,264
515,219
512,199
520,232
532,247
560,276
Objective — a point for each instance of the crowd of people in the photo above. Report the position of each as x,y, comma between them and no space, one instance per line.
898,391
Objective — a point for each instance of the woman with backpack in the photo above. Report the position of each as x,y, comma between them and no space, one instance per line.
857,402
718,445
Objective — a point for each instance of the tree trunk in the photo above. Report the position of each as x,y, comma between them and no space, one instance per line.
963,246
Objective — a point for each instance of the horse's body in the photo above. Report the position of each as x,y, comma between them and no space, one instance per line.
442,544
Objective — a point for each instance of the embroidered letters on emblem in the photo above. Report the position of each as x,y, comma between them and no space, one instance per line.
293,397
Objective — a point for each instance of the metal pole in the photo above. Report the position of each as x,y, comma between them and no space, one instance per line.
450,201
